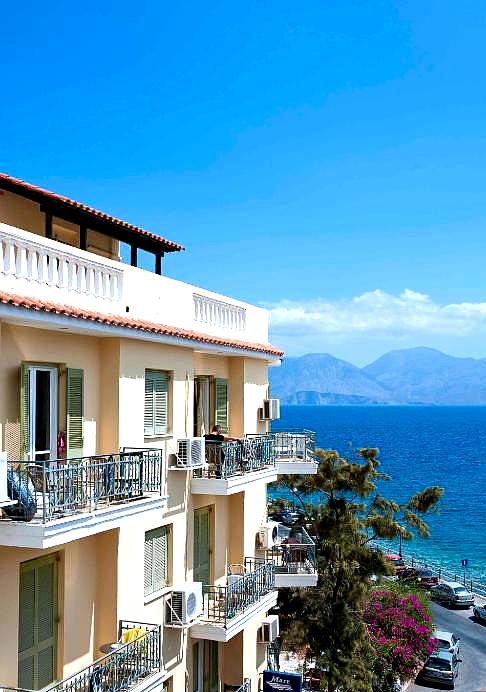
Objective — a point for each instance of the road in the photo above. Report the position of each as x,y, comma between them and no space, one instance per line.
472,670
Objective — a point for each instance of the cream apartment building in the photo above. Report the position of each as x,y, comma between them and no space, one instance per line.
131,556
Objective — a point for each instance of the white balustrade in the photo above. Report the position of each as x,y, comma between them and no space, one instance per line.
28,263
216,313
44,268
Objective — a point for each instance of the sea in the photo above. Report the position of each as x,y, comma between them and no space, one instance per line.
418,446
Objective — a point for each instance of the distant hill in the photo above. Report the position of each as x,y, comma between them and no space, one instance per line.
321,373
424,374
409,376
328,399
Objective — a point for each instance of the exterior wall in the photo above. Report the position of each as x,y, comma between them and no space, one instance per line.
20,344
56,270
135,358
25,214
102,576
85,602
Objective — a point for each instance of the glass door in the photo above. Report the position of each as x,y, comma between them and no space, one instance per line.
39,407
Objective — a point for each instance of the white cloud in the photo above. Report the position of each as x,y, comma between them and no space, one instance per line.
377,313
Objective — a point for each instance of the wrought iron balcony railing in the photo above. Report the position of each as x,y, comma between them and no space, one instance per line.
245,687
239,457
50,489
119,670
292,445
273,654
222,603
295,555
298,445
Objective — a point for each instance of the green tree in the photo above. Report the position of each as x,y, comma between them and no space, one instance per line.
347,512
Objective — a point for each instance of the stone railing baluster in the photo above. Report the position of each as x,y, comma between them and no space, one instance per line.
35,263
217,313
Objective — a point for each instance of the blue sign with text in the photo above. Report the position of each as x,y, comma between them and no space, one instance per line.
464,563
277,681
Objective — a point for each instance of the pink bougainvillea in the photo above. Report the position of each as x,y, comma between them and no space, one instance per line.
400,630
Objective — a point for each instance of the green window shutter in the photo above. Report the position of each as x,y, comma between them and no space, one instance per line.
37,623
160,558
156,403
147,566
221,404
214,666
161,401
149,410
24,411
74,409
155,560
202,528
46,624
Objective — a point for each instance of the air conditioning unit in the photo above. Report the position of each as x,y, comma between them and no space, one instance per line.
268,630
268,534
191,453
184,605
270,409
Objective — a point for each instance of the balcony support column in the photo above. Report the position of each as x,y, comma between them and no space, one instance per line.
48,224
83,237
133,255
158,263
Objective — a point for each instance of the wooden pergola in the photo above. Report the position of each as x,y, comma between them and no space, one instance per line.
53,206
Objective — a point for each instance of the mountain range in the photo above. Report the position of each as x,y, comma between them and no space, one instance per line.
410,376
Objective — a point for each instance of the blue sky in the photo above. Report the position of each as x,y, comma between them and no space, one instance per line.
323,158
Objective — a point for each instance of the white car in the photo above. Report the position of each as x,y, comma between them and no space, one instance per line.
447,641
479,613
452,593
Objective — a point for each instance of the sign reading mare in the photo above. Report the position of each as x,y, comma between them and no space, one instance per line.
277,681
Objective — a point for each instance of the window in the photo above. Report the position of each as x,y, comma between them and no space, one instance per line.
221,403
156,559
210,404
40,410
156,418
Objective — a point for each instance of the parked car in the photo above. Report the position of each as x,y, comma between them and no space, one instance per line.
452,593
425,578
479,613
287,517
399,567
447,641
442,667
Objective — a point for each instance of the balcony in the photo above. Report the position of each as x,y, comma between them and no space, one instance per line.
233,466
295,452
249,592
38,267
295,561
136,665
65,499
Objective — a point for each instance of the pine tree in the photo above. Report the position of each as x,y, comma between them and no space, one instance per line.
346,515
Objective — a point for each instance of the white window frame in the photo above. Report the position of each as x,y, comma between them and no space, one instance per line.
53,409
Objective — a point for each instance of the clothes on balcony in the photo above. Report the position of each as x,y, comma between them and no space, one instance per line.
95,682
20,488
130,635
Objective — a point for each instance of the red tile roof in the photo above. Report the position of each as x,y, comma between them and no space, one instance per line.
33,191
138,325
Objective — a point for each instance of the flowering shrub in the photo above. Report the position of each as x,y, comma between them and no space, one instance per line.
400,630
